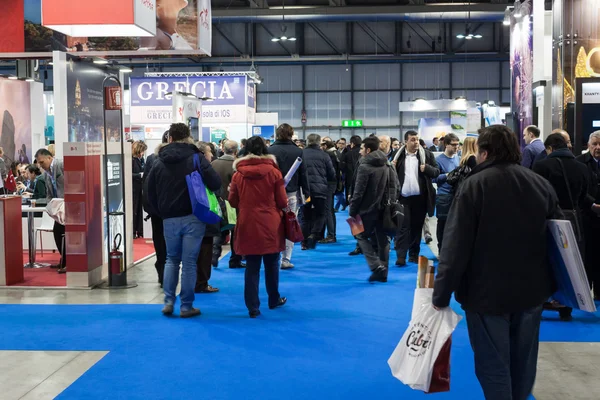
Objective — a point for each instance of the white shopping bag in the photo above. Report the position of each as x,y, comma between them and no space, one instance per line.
56,210
413,359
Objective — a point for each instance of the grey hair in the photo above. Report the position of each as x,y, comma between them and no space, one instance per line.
594,135
230,147
313,139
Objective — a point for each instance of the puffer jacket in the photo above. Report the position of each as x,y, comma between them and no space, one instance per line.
374,175
167,187
319,170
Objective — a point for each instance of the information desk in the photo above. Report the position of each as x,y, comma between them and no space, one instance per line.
11,241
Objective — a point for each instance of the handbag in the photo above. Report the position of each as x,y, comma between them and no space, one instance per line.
572,214
205,205
393,212
458,175
293,231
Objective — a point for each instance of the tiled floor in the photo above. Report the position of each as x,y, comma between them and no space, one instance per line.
566,370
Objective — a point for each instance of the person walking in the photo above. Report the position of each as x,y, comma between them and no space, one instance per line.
168,194
497,264
591,215
319,172
258,193
376,183
329,148
224,167
570,180
158,233
448,161
286,153
416,167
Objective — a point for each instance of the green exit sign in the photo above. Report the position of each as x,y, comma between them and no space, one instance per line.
352,123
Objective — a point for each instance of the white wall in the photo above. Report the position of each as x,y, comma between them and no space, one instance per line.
38,116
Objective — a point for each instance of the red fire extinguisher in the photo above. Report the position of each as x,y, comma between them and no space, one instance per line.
116,257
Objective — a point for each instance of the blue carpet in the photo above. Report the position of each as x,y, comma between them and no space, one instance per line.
330,341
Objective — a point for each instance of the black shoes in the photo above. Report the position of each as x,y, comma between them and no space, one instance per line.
311,243
413,259
428,239
328,240
240,265
379,274
357,251
401,263
281,302
254,313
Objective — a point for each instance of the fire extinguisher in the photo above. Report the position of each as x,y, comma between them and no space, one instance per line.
116,257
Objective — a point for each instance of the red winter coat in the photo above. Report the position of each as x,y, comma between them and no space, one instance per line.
258,193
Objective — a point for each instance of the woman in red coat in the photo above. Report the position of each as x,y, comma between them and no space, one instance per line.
258,193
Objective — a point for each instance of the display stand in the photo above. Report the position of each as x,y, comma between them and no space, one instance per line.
11,241
114,188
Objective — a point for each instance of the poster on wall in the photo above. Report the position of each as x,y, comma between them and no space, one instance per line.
430,128
521,65
151,101
115,202
182,27
49,108
86,103
15,121
218,134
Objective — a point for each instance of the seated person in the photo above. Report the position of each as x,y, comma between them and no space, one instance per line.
37,188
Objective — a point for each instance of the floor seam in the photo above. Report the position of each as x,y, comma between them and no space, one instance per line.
54,373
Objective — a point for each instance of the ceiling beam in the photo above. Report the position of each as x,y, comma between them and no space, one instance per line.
449,11
258,3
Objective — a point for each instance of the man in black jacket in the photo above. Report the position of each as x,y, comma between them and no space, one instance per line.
591,216
416,167
329,148
158,233
494,257
286,152
374,176
319,171
168,194
349,163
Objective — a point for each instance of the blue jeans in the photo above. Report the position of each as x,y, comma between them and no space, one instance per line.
340,200
183,236
506,352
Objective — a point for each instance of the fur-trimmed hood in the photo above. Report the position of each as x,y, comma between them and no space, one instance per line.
255,167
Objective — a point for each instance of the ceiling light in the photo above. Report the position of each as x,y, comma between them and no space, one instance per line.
518,9
506,21
419,99
460,98
275,39
13,78
460,36
478,36
292,39
101,61
284,38
126,70
29,80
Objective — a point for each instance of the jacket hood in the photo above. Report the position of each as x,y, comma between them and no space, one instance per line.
376,158
255,167
174,153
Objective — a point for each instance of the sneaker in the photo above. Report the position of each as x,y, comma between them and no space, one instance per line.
167,309
286,265
189,313
378,275
240,265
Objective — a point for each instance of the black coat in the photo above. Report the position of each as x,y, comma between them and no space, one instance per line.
286,152
494,253
335,161
167,187
137,190
577,176
594,182
432,171
319,171
371,181
349,165
147,168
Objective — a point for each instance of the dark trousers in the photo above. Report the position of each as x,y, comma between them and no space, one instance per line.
340,200
234,259
203,265
59,232
252,277
160,246
330,223
378,256
314,217
443,202
408,238
591,227
441,225
506,351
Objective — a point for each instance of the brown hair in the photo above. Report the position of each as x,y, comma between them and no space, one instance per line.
285,132
138,148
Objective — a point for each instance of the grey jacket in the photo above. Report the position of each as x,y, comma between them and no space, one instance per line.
224,167
57,175
374,175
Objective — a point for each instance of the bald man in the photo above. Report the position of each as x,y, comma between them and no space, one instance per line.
565,135
385,144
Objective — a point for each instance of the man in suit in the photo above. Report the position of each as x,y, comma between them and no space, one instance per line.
565,135
591,216
416,167
534,147
55,189
436,145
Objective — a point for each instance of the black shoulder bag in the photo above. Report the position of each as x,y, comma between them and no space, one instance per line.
571,215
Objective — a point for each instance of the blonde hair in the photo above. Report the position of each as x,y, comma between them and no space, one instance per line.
469,149
138,148
52,150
